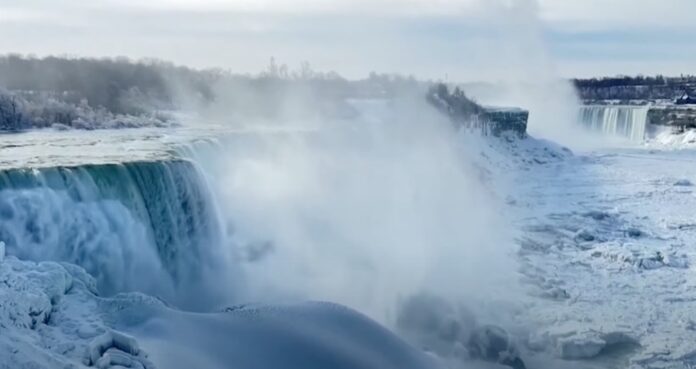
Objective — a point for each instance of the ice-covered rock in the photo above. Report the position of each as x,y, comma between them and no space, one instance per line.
494,344
634,232
50,316
29,292
580,347
660,260
451,332
436,325
584,235
590,344
113,349
597,215
555,293
111,339
60,127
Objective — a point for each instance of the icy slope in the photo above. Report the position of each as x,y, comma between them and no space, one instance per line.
306,335
51,317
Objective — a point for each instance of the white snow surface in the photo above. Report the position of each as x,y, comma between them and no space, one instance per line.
606,240
51,317
607,245
666,138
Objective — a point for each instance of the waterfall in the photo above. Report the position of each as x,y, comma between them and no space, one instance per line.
625,121
143,226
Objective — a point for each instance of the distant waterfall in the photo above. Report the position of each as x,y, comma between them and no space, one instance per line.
146,226
625,121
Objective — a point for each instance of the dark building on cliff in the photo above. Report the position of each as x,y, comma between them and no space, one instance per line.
685,99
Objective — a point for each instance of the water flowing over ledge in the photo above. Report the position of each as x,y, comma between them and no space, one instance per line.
625,121
145,226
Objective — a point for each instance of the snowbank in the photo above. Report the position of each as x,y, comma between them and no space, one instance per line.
666,138
50,317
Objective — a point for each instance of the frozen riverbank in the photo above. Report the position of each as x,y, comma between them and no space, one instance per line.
607,243
52,317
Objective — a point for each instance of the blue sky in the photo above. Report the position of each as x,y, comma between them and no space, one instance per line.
462,40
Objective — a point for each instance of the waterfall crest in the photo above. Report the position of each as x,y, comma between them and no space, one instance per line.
625,121
140,226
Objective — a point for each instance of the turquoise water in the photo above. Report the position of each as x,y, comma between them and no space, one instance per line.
123,205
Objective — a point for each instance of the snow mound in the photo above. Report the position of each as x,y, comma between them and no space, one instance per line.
509,152
50,318
311,335
668,139
590,344
29,292
113,349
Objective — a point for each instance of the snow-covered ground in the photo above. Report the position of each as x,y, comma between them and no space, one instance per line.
52,317
607,240
666,138
606,244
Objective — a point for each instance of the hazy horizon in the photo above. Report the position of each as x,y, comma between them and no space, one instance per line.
471,40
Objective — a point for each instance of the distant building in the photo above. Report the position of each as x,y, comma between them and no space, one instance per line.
685,99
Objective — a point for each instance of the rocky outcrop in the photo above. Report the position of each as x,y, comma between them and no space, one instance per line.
681,117
467,114
451,332
501,120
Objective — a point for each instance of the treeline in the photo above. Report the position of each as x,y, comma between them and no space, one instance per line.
118,85
110,93
92,93
627,88
454,104
23,110
639,80
281,93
